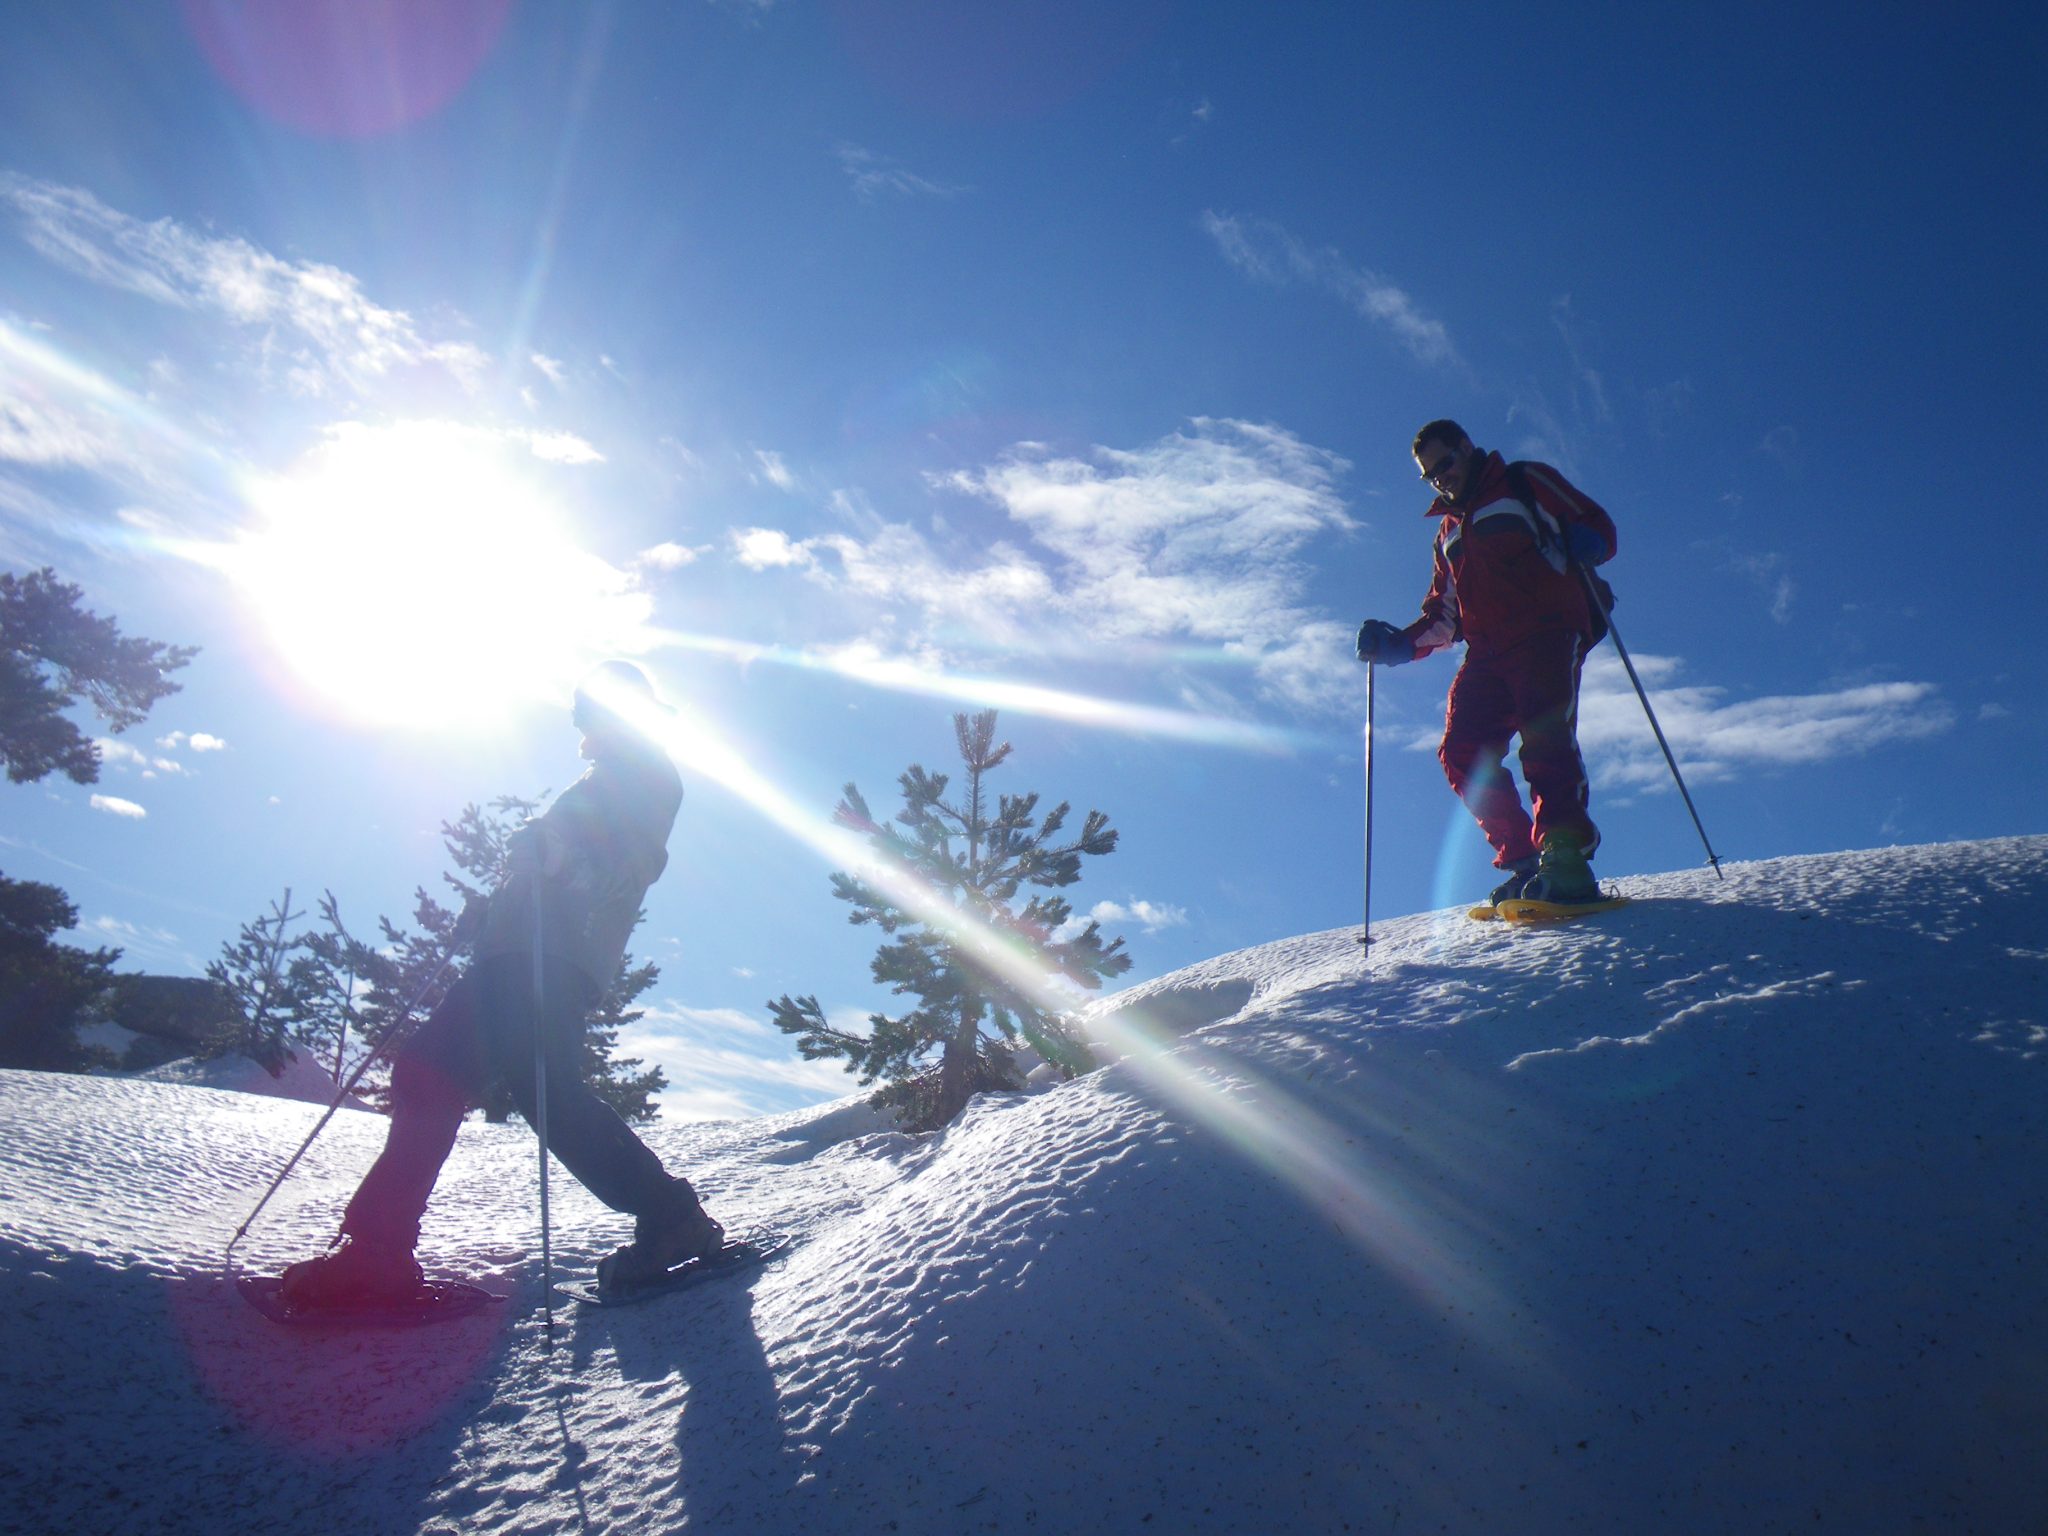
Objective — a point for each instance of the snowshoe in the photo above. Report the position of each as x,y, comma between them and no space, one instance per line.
730,1258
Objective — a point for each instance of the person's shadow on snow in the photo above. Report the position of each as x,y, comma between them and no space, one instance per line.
734,1459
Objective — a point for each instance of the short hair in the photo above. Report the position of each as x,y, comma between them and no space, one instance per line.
1444,431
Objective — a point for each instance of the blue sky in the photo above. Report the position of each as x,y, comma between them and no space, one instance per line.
849,364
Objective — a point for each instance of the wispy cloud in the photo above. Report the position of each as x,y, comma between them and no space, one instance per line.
1766,571
138,942
114,805
57,413
317,329
1198,537
1715,738
1152,916
774,470
727,1064
874,175
555,370
1199,534
1268,253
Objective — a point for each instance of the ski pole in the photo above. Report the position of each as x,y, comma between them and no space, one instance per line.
1593,596
1365,936
395,1037
540,1107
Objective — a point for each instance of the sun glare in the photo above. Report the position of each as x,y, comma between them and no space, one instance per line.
417,574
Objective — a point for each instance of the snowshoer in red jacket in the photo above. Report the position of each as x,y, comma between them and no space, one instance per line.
574,881
1510,542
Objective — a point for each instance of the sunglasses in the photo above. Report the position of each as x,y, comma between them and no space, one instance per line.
1441,467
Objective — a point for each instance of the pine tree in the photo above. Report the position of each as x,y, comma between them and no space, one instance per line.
47,990
947,898
330,977
53,653
619,1080
256,971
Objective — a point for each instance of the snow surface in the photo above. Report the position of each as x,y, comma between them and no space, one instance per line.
1722,1212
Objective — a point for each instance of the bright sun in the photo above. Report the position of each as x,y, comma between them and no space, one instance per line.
415,574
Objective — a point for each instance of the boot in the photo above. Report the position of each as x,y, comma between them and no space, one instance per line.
673,1235
1562,874
355,1273
1520,873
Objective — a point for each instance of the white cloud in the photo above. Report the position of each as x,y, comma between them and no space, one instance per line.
114,805
555,370
667,557
562,448
1715,740
198,741
874,175
761,549
1153,916
1267,253
723,1063
318,330
1197,536
119,753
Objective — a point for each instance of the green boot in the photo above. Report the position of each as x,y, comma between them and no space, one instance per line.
1562,874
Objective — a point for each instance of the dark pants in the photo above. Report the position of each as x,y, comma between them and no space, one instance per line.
484,1029
1531,691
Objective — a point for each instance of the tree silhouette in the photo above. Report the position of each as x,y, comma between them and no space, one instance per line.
53,653
47,989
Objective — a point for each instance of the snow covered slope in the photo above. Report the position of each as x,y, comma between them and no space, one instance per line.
1726,1211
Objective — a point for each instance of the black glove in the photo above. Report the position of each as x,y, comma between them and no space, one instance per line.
1381,642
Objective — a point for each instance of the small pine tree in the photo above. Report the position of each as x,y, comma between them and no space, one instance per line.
969,860
620,1080
256,971
330,976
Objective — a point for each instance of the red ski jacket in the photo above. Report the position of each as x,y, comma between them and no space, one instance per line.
1500,570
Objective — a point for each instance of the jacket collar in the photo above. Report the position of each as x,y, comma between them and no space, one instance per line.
1489,485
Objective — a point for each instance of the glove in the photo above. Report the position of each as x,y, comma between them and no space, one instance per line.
1381,642
1584,544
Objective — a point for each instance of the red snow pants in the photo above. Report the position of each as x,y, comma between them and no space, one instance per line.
1530,690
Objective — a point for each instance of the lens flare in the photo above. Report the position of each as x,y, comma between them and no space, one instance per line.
1313,1143
904,676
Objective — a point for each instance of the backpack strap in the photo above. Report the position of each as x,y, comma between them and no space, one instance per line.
1600,596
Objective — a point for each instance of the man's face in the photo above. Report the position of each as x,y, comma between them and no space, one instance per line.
1447,466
